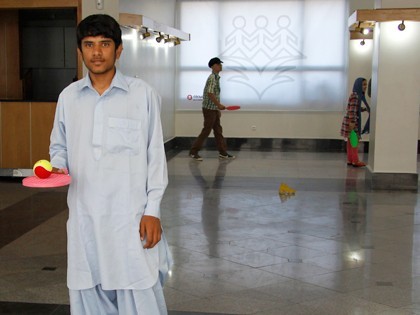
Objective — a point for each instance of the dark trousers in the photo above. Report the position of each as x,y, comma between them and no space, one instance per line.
211,122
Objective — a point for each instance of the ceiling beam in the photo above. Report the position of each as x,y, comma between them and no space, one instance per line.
38,4
383,15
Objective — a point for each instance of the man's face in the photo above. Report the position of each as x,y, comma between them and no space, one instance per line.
99,54
217,67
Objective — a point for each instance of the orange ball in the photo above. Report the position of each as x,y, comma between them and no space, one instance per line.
42,169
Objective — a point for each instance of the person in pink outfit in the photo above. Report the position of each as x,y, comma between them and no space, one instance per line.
352,120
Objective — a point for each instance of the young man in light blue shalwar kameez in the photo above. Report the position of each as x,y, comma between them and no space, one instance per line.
107,132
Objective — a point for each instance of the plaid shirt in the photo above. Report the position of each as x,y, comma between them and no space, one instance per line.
352,116
212,86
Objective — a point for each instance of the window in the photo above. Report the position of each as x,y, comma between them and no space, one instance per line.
278,55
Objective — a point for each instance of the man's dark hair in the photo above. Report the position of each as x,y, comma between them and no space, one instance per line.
99,25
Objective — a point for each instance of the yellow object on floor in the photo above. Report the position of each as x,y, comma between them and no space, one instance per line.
286,190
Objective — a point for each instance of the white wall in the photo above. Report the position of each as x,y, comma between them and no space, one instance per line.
360,61
160,72
396,98
162,11
361,4
360,57
158,68
286,124
399,4
304,125
110,7
155,65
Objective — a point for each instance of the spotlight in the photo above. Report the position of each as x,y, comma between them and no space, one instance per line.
362,42
159,38
365,31
174,41
145,34
401,26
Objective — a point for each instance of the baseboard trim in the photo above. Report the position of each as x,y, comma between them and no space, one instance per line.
391,181
268,144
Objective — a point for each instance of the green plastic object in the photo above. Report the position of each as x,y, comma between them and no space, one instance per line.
354,139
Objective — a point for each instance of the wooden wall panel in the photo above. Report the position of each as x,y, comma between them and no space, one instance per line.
15,135
14,86
42,118
10,83
3,58
39,4
18,126
1,140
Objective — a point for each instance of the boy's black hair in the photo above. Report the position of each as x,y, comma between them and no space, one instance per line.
97,25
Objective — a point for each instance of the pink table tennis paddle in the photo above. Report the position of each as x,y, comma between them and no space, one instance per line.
233,107
54,180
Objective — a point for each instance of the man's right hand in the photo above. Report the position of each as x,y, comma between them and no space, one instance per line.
58,170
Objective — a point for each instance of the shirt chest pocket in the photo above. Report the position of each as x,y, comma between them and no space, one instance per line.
123,135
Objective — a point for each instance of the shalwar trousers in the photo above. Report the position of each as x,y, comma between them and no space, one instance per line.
211,122
96,301
352,153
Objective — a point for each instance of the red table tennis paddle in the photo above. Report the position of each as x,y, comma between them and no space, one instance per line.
54,180
233,107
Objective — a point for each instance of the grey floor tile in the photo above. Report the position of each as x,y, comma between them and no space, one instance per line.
253,278
335,247
344,304
295,269
296,291
387,295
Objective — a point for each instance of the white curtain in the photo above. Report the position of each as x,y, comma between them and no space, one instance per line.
278,55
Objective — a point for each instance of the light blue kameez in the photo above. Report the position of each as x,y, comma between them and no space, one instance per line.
112,146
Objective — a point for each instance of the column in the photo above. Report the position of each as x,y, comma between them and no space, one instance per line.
394,130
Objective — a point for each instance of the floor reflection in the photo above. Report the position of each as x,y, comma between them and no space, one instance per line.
210,207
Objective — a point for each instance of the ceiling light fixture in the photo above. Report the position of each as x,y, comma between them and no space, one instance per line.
159,38
145,34
401,26
145,26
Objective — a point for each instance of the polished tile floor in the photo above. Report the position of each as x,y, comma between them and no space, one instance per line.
239,247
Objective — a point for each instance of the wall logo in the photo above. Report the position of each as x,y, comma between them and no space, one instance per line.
267,56
194,97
